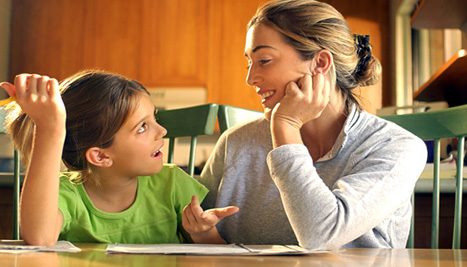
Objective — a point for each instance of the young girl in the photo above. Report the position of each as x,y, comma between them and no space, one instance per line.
118,190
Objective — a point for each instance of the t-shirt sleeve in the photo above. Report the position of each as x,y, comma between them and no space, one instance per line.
186,186
67,202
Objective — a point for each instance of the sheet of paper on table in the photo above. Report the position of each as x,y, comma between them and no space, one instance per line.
18,246
209,249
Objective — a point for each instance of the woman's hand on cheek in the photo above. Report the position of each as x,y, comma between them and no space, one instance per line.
302,102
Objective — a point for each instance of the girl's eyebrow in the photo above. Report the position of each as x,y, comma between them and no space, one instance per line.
260,47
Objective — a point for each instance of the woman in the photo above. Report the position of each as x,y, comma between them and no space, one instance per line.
317,170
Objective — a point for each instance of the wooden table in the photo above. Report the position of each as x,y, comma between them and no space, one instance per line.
94,255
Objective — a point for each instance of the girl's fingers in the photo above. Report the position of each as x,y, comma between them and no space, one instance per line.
188,215
32,84
54,89
42,85
9,88
21,81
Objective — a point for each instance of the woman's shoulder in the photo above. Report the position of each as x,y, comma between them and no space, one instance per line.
249,129
372,127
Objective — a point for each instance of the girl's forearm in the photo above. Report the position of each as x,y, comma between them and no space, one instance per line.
40,219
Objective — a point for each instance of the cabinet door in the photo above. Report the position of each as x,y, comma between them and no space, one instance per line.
158,42
227,65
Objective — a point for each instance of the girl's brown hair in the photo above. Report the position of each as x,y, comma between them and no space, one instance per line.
97,104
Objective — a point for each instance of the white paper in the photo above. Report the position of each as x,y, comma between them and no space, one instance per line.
18,246
207,249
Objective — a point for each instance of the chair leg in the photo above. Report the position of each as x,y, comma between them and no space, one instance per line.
456,239
191,162
435,207
411,239
16,192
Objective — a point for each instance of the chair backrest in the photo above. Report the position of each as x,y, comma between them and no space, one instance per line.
434,125
16,179
188,122
230,116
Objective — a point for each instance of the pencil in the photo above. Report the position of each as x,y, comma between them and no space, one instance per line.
7,101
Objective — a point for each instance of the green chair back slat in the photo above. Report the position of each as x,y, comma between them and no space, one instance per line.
188,122
16,179
230,116
435,125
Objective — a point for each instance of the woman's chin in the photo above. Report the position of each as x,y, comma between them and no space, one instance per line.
267,113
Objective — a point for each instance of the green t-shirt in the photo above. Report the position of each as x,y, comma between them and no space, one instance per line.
153,218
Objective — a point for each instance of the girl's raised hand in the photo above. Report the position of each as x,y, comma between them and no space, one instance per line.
303,101
39,97
201,225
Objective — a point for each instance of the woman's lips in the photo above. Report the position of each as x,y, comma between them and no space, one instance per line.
266,95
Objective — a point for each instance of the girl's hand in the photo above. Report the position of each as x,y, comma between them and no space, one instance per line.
39,97
302,102
201,224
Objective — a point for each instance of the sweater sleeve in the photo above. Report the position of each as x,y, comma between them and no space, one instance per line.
328,217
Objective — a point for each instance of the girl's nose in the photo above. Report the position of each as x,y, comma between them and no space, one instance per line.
160,131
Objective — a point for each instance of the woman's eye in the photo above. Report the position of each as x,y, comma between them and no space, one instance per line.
142,128
264,61
249,65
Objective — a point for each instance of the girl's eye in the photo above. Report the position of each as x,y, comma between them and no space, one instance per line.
143,128
155,115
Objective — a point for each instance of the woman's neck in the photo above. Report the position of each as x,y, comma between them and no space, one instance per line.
319,135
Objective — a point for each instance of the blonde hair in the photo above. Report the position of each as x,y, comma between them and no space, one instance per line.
97,105
310,26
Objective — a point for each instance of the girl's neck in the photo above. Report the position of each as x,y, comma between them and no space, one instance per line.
113,194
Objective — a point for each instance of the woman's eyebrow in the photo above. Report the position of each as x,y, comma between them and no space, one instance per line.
260,47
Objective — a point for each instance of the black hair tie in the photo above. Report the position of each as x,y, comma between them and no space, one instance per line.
363,47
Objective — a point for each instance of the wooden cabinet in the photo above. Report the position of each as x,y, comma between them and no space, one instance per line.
162,43
449,83
158,42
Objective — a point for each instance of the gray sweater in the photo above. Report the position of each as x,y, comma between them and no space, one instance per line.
357,195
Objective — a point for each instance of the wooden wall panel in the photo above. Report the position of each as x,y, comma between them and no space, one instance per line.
164,43
227,63
46,37
158,42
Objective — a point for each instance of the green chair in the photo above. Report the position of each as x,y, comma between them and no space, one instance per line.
435,125
229,116
16,180
188,122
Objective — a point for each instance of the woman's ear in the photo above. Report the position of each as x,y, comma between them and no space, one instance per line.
321,62
96,156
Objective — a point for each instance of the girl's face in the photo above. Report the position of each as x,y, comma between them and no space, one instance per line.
137,148
272,64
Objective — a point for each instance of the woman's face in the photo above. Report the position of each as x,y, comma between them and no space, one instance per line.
272,64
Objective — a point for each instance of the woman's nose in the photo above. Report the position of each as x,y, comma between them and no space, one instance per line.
252,78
